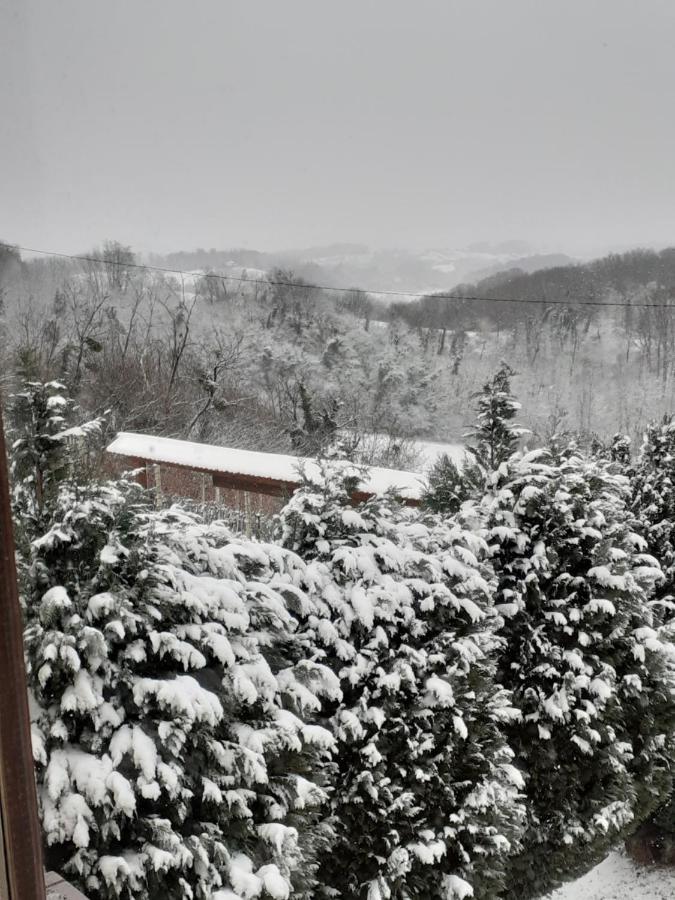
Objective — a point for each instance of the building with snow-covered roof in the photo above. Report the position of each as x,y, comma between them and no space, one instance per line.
209,473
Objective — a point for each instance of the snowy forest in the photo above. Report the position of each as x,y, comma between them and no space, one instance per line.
271,362
469,698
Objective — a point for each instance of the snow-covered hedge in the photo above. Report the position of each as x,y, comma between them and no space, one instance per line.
388,703
173,749
586,656
427,798
653,504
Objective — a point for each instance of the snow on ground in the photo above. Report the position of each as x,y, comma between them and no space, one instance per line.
427,451
618,878
431,450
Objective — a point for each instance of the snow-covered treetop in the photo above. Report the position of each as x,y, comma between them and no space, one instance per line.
403,616
495,435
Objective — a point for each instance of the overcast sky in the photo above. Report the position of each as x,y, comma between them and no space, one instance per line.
172,124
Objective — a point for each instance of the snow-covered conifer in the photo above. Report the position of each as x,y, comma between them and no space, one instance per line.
47,443
586,658
449,485
427,800
653,504
171,699
653,500
493,438
172,738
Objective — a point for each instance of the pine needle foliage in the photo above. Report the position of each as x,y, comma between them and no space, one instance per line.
495,436
171,701
586,657
653,503
427,801
491,441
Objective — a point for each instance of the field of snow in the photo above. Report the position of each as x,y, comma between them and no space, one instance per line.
428,452
618,878
431,450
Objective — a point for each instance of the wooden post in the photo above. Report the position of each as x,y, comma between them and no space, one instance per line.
157,470
19,825
58,889
247,513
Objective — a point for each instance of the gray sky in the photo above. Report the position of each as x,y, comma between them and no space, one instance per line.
172,124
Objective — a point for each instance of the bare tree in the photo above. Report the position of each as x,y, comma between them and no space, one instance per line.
223,356
178,337
86,319
118,264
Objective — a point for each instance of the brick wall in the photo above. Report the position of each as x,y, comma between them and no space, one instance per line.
174,481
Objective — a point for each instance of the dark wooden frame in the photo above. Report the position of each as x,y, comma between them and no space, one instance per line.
271,487
20,827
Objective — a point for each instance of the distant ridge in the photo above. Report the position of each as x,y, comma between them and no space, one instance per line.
529,264
345,264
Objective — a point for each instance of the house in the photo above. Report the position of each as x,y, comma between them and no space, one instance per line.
237,478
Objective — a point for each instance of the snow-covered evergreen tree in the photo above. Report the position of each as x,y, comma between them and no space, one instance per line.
495,436
171,701
47,443
586,658
427,799
450,485
653,500
173,746
653,504
491,441
617,449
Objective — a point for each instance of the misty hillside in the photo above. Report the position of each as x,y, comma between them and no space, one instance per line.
355,265
611,280
620,274
278,364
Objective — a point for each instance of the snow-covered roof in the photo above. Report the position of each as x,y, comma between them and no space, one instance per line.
276,467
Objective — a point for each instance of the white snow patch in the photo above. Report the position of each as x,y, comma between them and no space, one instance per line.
618,878
456,888
275,884
57,597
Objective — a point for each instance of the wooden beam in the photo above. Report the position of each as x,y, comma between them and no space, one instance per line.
361,496
21,837
254,484
274,487
58,889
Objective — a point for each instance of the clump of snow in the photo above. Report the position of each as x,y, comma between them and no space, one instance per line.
456,888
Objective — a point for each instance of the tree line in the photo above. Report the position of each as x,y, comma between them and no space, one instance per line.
279,363
473,698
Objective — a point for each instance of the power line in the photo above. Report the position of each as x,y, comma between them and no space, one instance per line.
342,290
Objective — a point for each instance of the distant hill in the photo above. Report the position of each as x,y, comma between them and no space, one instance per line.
617,277
527,264
355,265
191,260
